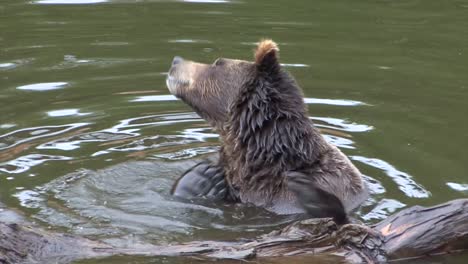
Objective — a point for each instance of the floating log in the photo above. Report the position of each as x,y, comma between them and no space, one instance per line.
410,233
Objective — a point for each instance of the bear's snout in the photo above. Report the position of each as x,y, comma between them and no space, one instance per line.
178,76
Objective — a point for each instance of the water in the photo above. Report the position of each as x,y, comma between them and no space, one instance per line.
91,140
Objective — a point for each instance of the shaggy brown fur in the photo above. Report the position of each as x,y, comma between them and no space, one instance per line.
270,148
268,131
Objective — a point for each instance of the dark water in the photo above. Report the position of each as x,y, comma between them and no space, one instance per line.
91,140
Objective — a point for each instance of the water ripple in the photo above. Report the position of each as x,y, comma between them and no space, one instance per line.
340,142
154,98
15,63
404,181
74,142
111,43
125,129
69,2
43,86
189,41
71,61
187,136
343,125
19,136
337,102
199,134
101,203
24,163
458,186
146,143
383,209
6,126
7,66
188,153
207,1
298,65
66,112
375,186
130,126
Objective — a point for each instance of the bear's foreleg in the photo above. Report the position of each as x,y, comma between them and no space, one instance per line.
316,202
203,180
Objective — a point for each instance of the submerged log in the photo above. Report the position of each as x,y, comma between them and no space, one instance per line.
410,233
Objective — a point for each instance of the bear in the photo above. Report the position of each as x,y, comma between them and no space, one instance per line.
271,153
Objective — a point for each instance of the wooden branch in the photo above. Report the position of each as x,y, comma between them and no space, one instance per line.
419,231
413,232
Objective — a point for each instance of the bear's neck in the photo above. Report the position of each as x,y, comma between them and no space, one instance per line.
268,134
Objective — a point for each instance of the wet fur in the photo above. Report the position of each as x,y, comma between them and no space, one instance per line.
271,153
269,137
268,130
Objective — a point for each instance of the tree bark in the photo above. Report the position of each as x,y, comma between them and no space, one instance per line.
410,233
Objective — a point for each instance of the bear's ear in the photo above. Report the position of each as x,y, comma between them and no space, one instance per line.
266,56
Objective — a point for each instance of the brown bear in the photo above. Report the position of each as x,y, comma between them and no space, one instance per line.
271,154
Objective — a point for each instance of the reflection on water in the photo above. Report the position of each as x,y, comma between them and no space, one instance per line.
294,65
71,62
66,112
69,2
154,98
340,102
14,138
43,86
458,186
24,163
383,209
342,125
82,2
206,1
188,41
6,126
404,181
7,65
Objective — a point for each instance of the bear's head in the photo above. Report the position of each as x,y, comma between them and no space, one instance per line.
211,89
257,108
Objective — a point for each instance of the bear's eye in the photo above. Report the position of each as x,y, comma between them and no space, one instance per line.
219,62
